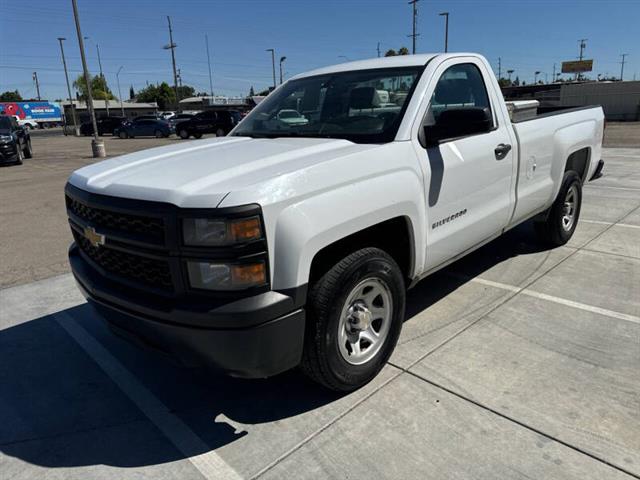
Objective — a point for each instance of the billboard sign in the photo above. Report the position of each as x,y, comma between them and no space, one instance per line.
577,66
42,111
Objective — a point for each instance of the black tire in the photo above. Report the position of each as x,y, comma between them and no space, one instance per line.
322,359
183,134
197,135
220,133
19,155
158,134
122,134
28,151
552,227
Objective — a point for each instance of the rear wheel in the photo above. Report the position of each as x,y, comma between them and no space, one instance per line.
183,134
355,314
197,135
158,134
559,222
122,134
220,133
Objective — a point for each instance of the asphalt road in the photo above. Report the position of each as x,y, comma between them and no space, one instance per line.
516,362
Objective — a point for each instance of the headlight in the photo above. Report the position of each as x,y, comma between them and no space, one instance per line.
5,138
212,232
224,276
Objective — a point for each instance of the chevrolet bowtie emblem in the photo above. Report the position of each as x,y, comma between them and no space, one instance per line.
95,239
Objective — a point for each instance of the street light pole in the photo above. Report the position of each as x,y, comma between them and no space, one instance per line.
119,92
624,55
535,77
282,59
206,38
66,75
273,64
97,145
446,31
414,3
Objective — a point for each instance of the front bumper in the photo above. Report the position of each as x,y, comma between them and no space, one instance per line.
253,337
8,153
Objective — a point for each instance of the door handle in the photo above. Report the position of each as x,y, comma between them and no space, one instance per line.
502,150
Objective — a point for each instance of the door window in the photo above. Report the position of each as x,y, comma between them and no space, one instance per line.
460,86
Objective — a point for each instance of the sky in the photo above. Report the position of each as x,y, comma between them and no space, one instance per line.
528,36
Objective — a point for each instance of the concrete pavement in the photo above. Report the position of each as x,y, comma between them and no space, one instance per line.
516,362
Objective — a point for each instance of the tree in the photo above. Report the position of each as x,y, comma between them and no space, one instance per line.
132,93
99,88
504,82
162,94
252,92
403,51
390,53
265,92
185,91
516,82
10,96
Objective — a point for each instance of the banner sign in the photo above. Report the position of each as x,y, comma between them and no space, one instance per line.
577,66
43,111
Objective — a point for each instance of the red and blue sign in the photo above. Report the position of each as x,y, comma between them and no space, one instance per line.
43,111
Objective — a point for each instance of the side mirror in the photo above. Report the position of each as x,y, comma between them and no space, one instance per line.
457,122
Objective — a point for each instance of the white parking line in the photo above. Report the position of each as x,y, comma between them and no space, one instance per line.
614,187
209,463
598,222
561,301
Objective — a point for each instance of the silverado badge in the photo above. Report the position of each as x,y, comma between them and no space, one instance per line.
95,239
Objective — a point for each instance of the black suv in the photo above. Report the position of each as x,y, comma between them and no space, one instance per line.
15,141
219,122
105,125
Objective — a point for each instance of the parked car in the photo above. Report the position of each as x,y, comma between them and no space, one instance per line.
105,125
15,141
144,128
27,123
179,118
257,256
167,115
291,117
219,122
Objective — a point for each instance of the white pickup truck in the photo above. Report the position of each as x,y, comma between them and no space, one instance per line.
293,243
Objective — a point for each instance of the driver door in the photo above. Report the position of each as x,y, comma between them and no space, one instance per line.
469,183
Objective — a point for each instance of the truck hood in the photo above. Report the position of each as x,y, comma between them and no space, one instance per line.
201,173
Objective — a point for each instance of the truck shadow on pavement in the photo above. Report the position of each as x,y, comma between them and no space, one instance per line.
58,408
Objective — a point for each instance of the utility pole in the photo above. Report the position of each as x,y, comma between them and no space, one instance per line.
179,78
378,49
583,46
66,75
273,64
624,55
172,46
119,92
499,68
446,31
535,77
282,59
414,3
97,145
106,94
509,72
206,39
553,78
35,79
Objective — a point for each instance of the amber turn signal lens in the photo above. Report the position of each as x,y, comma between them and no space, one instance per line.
246,229
248,274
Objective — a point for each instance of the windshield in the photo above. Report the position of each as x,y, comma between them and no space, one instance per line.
5,124
364,106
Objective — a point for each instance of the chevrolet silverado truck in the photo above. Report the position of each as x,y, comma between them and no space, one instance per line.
292,244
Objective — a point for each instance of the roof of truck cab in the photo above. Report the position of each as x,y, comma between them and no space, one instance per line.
382,62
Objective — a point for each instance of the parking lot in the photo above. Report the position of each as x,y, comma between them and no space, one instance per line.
515,362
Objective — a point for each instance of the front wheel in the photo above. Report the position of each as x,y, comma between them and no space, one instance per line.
158,134
355,314
183,134
122,134
220,133
28,150
559,222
